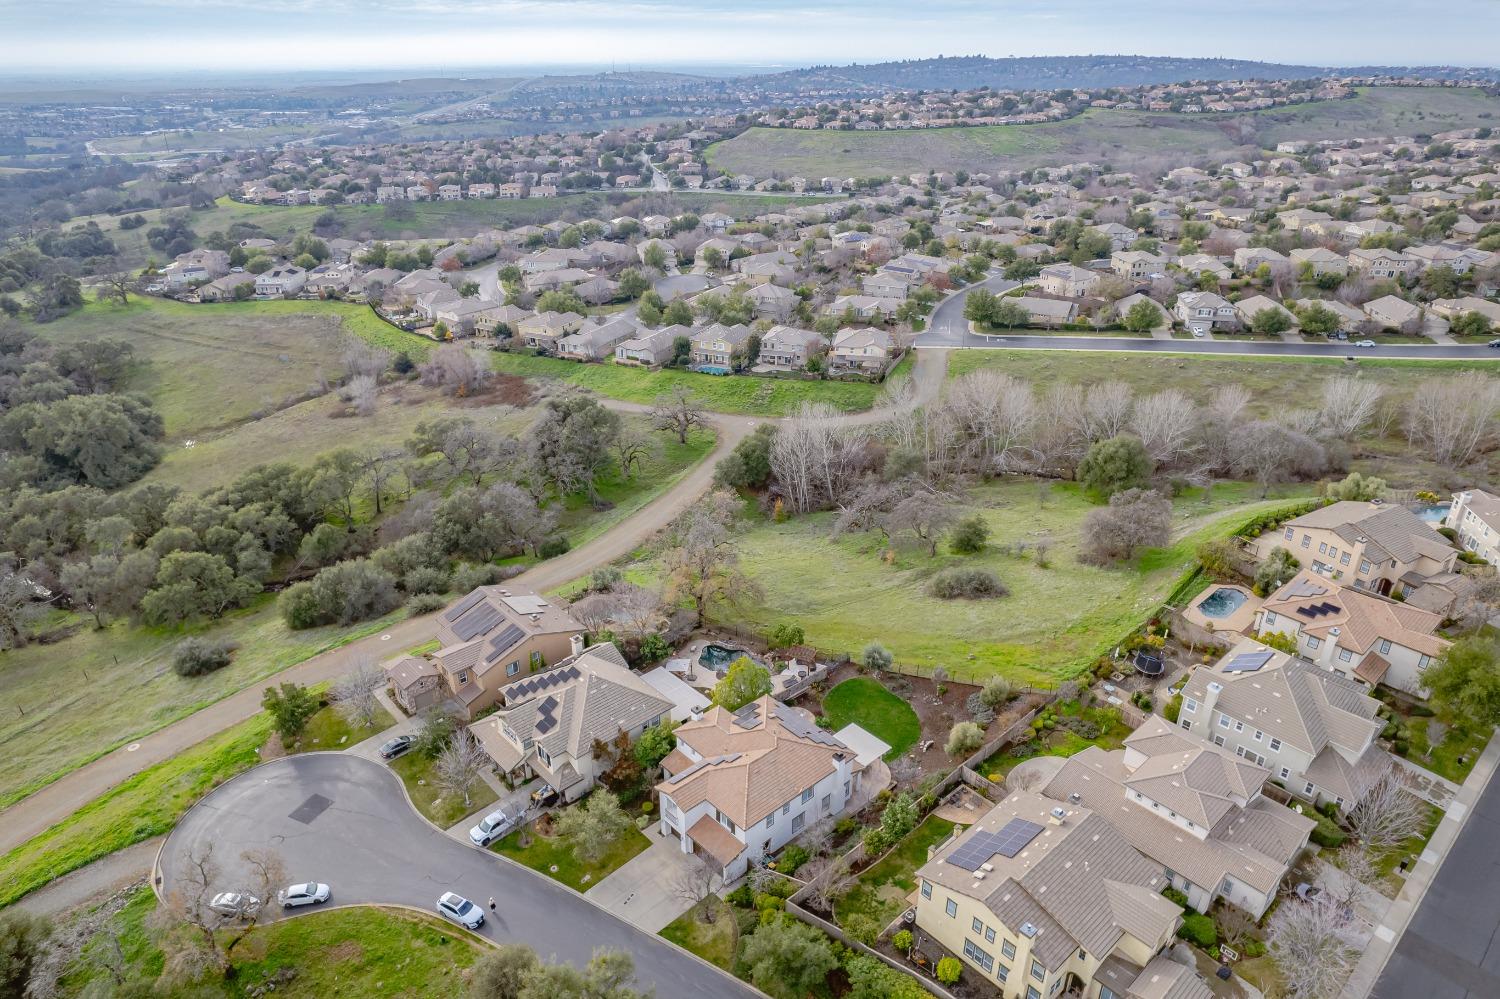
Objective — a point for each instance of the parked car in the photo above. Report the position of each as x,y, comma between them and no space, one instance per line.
1493,345
395,747
460,910
493,826
1364,343
233,903
310,893
544,796
1197,333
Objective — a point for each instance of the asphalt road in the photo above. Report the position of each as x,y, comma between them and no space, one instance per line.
1451,947
345,821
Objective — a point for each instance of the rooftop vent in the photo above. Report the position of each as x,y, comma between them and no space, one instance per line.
1075,798
1028,930
1059,813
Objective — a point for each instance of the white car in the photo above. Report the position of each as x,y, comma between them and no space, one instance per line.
233,903
1364,343
1197,333
460,910
492,827
310,893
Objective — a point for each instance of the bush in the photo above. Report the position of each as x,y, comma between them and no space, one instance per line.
784,636
995,692
969,535
1173,895
426,603
468,576
605,578
1173,708
1327,834
792,858
553,547
197,656
876,657
966,584
948,969
862,927
1198,929
351,591
964,738
425,579
872,978
743,896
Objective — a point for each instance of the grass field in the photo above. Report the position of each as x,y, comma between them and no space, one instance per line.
1053,624
419,775
718,393
867,703
1100,135
353,952
714,942
430,219
64,704
548,852
329,730
147,804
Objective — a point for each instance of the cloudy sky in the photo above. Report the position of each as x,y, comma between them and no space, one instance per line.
54,36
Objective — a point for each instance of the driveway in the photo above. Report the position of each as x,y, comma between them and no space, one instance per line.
643,892
345,821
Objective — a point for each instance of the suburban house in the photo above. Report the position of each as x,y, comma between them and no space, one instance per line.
1042,899
595,342
1370,546
1321,261
866,348
1248,307
1195,809
1129,302
547,724
720,346
1250,259
1136,265
487,639
741,784
1068,281
195,267
1120,236
1201,263
772,301
1394,313
1206,311
1380,262
649,347
545,329
1353,632
280,282
1475,515
1313,730
789,346
1048,311
223,289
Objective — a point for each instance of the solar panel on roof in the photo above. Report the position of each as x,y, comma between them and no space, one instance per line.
1247,662
537,684
469,601
1010,840
504,642
546,716
477,621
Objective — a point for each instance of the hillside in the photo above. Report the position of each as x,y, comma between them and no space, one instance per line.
1121,138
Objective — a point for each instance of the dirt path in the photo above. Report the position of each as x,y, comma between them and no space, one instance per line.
104,876
55,802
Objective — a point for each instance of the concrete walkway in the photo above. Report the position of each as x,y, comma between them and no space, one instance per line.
1408,901
1425,784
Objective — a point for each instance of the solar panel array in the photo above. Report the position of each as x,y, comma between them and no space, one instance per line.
1010,840
463,605
1319,609
546,715
504,642
1247,662
477,621
541,682
748,717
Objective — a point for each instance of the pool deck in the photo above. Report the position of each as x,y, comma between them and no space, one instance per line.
1237,623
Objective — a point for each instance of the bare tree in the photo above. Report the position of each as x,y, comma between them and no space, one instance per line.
460,765
678,411
594,611
1451,417
1134,519
695,881
814,457
1269,453
638,609
702,563
1236,926
361,393
632,448
355,693
1359,876
924,514
829,880
1387,813
381,465
1106,410
1349,406
1165,422
363,359
1312,947
466,450
197,938
456,370
993,414
1060,437
118,287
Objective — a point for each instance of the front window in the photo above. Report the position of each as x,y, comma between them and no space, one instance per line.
1038,971
1223,721
1313,643
1285,772
978,926
807,796
952,909
983,959
1345,655
1385,646
1422,661
1008,949
1189,705
511,669
926,889
1275,745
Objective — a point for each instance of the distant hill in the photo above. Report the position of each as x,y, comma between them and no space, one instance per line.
1052,72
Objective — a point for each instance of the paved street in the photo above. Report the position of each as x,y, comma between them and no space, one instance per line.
343,820
1451,947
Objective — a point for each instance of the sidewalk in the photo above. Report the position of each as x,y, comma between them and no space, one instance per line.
1372,962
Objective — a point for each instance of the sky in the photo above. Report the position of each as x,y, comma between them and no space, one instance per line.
83,37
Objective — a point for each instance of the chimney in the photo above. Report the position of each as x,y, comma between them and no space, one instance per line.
1056,816
576,644
1215,688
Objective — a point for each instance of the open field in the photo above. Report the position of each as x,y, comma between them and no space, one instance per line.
1055,622
1103,136
148,804
358,952
64,704
427,219
718,393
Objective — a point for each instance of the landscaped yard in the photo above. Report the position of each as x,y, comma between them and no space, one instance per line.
1053,624
882,889
554,857
714,942
1061,739
1458,743
330,730
147,804
342,952
718,393
866,703
419,773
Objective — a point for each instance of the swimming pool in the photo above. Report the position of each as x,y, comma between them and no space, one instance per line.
718,657
1433,513
713,369
1221,602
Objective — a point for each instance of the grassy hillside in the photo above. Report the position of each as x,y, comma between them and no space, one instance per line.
1100,135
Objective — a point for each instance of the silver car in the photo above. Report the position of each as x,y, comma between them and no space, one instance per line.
234,904
460,910
492,827
310,893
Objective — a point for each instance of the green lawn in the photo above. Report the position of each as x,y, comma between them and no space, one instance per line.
329,730
1458,743
352,952
1061,741
70,702
147,804
1387,861
718,393
714,942
417,773
548,852
882,889
1053,624
866,703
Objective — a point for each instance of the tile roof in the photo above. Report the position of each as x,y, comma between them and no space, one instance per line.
1362,619
716,840
1394,530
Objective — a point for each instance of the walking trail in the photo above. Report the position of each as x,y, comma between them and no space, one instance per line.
35,814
